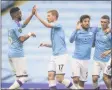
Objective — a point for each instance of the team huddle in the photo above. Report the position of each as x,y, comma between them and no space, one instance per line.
84,36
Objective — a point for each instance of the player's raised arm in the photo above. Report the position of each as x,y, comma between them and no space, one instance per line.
29,17
73,36
49,18
43,21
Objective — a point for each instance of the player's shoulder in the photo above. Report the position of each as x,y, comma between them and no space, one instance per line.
57,23
95,29
13,25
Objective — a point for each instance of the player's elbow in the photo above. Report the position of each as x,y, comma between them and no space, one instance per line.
21,39
71,41
48,25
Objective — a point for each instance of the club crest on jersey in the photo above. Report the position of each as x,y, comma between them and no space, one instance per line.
104,37
20,30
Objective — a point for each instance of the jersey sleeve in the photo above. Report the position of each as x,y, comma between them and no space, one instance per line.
95,29
73,36
56,25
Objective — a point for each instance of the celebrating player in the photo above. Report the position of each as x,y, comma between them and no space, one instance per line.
83,36
102,43
16,52
58,45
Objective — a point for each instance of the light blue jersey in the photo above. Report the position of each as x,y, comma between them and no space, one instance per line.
15,46
58,39
102,43
83,43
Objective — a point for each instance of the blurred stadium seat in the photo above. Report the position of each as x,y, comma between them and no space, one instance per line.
6,4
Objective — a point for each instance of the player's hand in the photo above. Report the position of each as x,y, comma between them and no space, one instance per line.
104,54
43,44
108,30
78,26
34,9
33,34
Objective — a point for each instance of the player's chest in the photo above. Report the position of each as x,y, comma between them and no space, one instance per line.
85,36
102,37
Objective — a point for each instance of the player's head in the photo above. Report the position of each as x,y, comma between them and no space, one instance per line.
52,15
105,20
85,21
15,13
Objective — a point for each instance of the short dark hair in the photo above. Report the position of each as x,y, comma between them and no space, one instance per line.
105,17
83,17
14,9
54,12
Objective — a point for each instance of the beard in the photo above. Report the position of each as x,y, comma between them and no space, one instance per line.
19,19
86,28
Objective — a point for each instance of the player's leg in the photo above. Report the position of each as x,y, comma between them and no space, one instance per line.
60,71
95,74
83,73
75,72
21,74
108,75
51,74
12,66
107,80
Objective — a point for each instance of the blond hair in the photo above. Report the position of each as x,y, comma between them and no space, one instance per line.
54,13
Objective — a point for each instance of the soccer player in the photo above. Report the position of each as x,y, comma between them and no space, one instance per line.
83,36
107,75
58,45
16,40
102,43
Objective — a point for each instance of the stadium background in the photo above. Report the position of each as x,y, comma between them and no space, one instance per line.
37,58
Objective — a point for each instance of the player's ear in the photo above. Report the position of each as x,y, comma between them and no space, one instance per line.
81,23
12,15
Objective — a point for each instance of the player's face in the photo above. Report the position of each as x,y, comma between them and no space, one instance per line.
85,23
50,17
104,23
18,15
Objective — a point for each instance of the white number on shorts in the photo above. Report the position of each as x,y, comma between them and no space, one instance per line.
86,74
109,67
61,67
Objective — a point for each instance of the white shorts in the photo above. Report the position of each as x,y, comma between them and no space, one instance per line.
108,69
19,66
98,67
80,69
57,64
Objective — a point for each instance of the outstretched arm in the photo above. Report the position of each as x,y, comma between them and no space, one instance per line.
46,24
29,18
